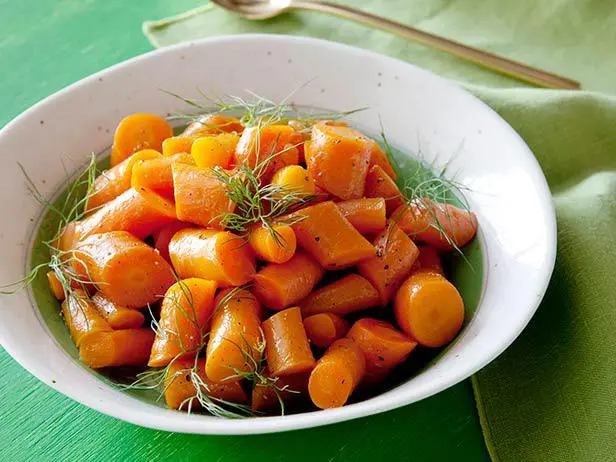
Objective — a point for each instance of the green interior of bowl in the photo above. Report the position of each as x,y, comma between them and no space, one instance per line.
465,271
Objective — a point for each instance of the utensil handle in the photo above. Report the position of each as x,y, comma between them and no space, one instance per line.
489,60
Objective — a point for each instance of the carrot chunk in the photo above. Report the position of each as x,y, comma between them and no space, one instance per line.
209,254
127,347
329,237
337,374
127,271
275,245
137,132
380,184
383,345
279,285
347,295
323,329
393,261
367,215
118,317
429,309
286,345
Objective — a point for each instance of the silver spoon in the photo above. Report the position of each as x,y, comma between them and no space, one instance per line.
267,9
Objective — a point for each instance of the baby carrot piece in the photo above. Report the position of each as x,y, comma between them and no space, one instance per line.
443,226
380,184
378,157
136,132
209,254
156,174
395,255
81,316
347,295
325,328
215,151
367,215
286,345
126,270
337,374
200,198
184,320
177,144
271,147
162,237
383,345
294,178
276,245
127,347
429,260
138,212
118,317
339,159
55,285
113,182
279,285
329,237
236,339
181,389
267,397
429,309
213,124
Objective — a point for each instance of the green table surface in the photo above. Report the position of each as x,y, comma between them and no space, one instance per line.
46,45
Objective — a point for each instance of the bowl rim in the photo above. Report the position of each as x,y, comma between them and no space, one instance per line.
317,418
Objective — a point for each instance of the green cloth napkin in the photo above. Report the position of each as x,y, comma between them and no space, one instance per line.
550,396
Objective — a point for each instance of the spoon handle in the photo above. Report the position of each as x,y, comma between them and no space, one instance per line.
483,58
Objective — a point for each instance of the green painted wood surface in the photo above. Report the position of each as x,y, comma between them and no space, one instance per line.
46,45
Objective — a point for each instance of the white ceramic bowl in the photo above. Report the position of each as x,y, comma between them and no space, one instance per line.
419,111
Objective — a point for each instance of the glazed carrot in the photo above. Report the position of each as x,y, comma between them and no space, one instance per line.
294,178
272,146
443,226
429,309
55,285
163,236
113,182
200,198
325,328
136,132
67,237
379,184
213,124
267,397
125,269
279,285
157,175
347,295
429,260
181,389
286,345
127,347
339,159
81,316
378,157
118,317
209,254
184,320
329,237
337,374
177,144
235,336
275,245
392,263
383,345
214,151
367,214
138,212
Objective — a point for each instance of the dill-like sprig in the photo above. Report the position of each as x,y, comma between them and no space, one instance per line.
72,208
255,110
257,203
161,378
427,190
